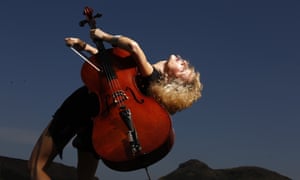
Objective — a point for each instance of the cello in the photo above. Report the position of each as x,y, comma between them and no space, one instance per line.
132,130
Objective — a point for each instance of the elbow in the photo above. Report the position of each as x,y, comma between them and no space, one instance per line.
134,47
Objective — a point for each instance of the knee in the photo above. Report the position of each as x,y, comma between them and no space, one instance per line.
36,170
30,165
31,170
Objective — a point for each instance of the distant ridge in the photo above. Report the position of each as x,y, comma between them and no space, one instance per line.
16,169
197,170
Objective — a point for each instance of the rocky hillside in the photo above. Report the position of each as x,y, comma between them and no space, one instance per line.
197,170
16,169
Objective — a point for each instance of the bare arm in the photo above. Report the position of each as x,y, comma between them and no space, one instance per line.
128,44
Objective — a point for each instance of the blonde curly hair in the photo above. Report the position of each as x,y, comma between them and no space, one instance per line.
175,94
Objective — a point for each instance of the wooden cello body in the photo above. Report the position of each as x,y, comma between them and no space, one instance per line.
132,130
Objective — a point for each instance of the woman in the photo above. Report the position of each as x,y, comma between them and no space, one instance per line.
173,82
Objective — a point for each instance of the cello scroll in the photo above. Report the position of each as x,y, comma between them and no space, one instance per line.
91,21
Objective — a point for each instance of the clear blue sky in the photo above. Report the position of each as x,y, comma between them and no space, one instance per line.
247,53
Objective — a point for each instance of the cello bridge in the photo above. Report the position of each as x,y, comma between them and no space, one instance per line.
119,96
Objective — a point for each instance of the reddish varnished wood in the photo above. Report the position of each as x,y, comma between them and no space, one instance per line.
110,134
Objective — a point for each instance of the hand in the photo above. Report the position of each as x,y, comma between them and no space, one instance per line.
75,42
97,34
70,41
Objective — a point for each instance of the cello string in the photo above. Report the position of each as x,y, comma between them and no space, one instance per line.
121,93
112,82
108,76
116,85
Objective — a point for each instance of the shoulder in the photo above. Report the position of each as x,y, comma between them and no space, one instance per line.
154,76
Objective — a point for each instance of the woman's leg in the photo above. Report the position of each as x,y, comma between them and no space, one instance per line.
87,165
42,155
73,116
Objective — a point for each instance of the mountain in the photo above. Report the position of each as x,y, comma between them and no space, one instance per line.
197,170
16,169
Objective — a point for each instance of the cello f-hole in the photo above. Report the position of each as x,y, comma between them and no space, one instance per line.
140,101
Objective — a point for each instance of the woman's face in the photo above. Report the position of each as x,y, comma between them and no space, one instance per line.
178,67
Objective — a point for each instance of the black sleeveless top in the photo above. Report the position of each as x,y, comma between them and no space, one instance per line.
143,82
